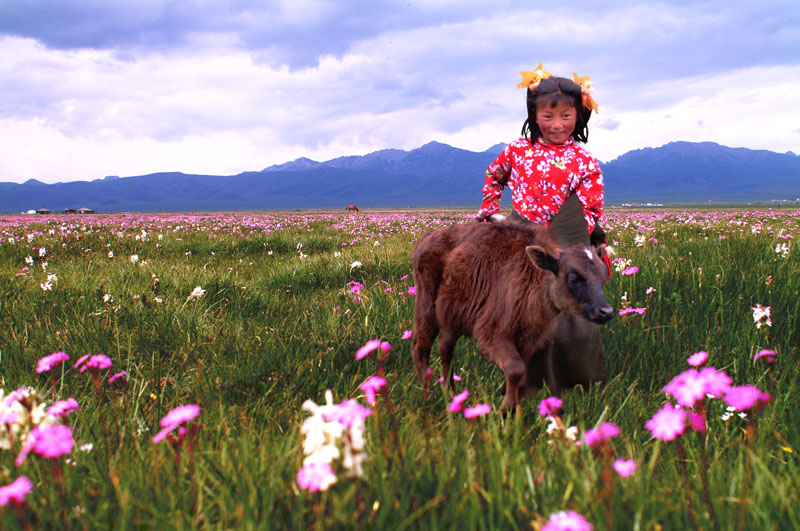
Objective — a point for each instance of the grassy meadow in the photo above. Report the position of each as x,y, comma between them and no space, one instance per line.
248,316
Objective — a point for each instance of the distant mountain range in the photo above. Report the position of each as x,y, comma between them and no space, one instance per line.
434,175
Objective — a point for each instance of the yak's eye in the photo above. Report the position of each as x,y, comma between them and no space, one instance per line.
574,280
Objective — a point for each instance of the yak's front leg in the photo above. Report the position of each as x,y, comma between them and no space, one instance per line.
506,356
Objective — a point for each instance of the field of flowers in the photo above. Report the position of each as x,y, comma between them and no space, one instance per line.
254,371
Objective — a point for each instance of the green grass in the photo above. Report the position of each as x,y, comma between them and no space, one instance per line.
278,325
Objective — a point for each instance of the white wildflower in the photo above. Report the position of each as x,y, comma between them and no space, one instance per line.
328,440
356,265
761,315
639,240
572,433
29,260
111,254
783,249
552,426
134,258
196,293
621,265
42,252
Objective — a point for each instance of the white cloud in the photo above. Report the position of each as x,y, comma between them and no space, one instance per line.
241,88
745,108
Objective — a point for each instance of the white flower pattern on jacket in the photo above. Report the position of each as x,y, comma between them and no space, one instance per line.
541,178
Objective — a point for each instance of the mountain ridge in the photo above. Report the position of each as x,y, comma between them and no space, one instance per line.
432,175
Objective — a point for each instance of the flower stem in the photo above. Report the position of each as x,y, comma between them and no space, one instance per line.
704,479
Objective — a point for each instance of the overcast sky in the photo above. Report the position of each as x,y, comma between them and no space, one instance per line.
90,88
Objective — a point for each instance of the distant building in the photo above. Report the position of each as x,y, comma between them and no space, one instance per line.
70,211
44,211
85,210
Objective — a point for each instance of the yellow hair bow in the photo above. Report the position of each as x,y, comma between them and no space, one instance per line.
532,79
586,91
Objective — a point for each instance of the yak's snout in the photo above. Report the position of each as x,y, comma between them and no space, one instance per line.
601,314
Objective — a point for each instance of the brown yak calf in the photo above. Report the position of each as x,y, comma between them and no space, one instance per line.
504,284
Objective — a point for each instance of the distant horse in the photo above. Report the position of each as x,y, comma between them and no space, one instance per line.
351,208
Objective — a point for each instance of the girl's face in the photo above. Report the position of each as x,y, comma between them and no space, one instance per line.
557,122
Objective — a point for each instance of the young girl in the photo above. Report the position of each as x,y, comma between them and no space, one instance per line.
555,181
547,165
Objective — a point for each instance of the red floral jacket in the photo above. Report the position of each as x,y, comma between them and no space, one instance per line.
541,178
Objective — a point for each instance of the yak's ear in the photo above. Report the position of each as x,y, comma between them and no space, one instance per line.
542,259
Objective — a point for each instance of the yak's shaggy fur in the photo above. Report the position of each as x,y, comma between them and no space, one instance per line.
505,284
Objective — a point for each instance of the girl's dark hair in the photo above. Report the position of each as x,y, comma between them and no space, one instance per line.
551,92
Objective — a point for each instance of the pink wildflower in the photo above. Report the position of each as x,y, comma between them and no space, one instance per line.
698,358
667,423
97,362
347,413
745,396
600,434
63,407
412,290
81,360
715,382
315,477
8,417
687,388
630,270
180,415
16,396
51,441
550,406
48,362
371,345
696,421
477,410
174,418
123,375
567,521
406,334
355,287
371,386
457,405
768,355
16,491
625,467
626,311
